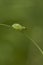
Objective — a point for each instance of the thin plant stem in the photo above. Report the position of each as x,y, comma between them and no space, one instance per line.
5,25
35,44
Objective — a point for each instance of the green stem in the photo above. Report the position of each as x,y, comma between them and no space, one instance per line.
5,25
35,44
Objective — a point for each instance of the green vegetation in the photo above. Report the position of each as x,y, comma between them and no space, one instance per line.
23,46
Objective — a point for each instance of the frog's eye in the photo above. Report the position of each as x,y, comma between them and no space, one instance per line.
18,27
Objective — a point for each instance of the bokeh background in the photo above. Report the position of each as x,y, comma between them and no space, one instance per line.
30,14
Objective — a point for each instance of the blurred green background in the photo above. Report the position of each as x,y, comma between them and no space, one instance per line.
30,14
